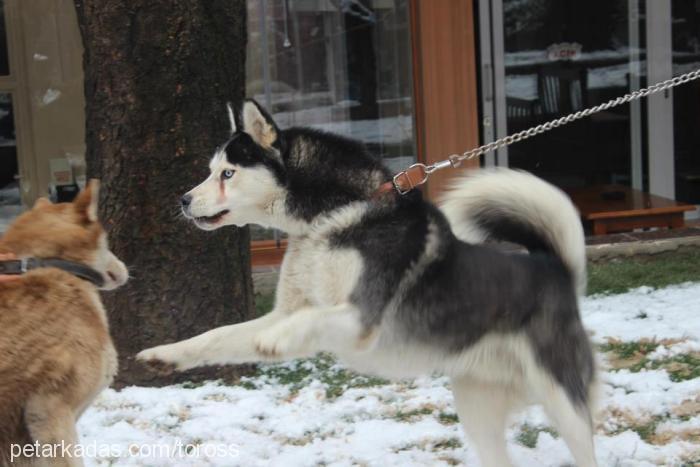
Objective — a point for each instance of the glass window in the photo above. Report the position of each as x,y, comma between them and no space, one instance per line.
10,202
340,66
565,56
686,100
4,56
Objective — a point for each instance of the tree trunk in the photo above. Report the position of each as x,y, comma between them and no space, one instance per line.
158,74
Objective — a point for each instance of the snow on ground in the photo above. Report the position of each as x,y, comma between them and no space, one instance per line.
315,412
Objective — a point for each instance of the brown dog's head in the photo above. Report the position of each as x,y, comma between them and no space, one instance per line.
68,231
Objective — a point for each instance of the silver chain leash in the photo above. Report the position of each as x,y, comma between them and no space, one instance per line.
455,160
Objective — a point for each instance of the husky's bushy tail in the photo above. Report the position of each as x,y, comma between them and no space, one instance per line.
517,207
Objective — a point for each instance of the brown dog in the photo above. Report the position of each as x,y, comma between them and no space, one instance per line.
56,354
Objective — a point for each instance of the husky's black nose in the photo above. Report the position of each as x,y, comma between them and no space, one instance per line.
186,200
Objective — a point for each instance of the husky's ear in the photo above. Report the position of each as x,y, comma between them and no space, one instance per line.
259,125
41,202
231,118
86,202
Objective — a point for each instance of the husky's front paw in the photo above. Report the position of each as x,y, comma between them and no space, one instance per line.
162,359
159,367
280,340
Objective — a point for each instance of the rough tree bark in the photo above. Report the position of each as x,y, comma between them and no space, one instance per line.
157,76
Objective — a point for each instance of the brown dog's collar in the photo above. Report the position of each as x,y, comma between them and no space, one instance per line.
17,267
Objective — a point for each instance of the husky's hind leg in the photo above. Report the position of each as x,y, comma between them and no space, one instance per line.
572,420
483,409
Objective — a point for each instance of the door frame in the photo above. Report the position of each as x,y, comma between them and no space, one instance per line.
445,84
660,140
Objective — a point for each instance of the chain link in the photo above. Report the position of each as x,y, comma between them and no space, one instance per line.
456,159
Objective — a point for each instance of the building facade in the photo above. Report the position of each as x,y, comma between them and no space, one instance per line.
416,80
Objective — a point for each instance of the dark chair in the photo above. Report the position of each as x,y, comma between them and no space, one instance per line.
521,109
562,87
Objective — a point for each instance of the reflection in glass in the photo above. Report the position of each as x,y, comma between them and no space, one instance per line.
10,202
564,56
4,57
339,66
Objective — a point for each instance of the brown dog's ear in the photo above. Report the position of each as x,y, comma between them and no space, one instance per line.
86,202
41,202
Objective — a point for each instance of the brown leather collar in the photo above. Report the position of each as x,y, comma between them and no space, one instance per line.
18,267
403,182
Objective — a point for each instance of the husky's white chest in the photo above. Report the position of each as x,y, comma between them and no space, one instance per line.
325,275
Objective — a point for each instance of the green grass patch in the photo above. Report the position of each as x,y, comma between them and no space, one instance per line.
629,350
264,303
660,270
412,415
528,434
681,367
645,429
300,373
451,443
340,380
633,357
194,384
448,418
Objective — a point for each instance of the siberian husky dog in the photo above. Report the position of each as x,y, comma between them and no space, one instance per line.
56,353
394,286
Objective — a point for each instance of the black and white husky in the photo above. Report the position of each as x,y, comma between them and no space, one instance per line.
397,287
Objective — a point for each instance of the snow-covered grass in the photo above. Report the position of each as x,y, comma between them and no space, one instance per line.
315,412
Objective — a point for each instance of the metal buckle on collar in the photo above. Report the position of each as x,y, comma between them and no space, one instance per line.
403,182
23,265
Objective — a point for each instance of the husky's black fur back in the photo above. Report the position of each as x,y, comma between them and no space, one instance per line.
326,171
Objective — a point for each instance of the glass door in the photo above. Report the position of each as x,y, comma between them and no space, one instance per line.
685,39
542,59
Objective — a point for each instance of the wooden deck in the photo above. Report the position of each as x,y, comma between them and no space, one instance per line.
616,208
267,252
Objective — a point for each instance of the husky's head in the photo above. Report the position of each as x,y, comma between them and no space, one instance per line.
68,231
246,173
283,179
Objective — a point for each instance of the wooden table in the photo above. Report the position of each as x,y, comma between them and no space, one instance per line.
617,208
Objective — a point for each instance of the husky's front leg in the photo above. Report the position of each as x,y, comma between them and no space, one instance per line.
232,344
221,346
336,329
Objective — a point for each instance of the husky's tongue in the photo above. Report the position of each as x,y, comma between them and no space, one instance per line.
212,219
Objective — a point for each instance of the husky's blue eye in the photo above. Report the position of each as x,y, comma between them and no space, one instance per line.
226,174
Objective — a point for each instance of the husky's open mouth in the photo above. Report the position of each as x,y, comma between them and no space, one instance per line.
212,219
